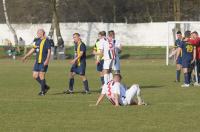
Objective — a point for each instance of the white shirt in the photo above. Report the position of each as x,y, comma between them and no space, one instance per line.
108,49
117,45
114,88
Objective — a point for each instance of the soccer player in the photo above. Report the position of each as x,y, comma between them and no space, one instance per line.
195,40
99,57
179,60
118,49
42,48
107,49
188,57
117,94
78,65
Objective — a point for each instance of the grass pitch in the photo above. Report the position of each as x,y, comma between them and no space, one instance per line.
171,108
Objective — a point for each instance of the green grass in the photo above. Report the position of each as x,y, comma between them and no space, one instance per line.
171,108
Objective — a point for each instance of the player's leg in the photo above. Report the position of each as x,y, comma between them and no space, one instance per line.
107,70
133,91
85,84
100,70
186,77
71,83
116,67
81,71
178,72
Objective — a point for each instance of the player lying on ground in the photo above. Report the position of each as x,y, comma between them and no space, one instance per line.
42,48
117,94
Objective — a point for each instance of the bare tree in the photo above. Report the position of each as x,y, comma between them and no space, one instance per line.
8,23
177,16
55,23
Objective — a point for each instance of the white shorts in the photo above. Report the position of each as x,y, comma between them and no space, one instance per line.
133,91
116,65
108,64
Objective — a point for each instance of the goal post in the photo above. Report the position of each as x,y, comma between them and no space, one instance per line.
171,29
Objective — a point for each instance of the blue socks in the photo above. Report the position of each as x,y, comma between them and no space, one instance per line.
178,73
85,83
102,80
71,84
186,77
43,84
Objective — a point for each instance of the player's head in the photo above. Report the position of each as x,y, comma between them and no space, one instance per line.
40,33
187,34
111,34
179,35
195,34
117,77
76,37
102,34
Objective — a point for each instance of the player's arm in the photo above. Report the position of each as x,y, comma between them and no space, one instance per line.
178,53
100,99
28,54
116,99
78,56
48,52
48,57
194,54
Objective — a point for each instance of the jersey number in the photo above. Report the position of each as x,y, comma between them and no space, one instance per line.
189,48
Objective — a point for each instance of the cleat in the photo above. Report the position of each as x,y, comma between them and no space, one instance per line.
68,92
196,84
185,85
41,93
46,89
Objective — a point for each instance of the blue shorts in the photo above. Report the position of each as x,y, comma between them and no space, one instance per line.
179,60
186,63
80,70
39,67
100,66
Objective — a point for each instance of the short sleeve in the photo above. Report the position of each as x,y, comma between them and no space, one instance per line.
101,45
83,48
48,44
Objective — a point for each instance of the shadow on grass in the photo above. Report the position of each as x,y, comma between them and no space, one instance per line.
151,86
77,92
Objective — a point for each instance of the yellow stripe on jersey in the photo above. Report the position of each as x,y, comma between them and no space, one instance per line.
78,53
41,50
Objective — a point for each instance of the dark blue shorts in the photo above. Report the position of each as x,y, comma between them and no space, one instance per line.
80,70
100,66
39,67
179,60
186,63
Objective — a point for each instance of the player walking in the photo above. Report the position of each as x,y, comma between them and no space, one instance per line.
118,48
42,48
78,65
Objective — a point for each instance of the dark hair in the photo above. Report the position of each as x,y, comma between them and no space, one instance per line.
102,33
111,32
118,75
77,34
195,32
178,32
187,34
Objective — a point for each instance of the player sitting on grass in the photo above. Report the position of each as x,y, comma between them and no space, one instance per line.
42,48
188,57
117,94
